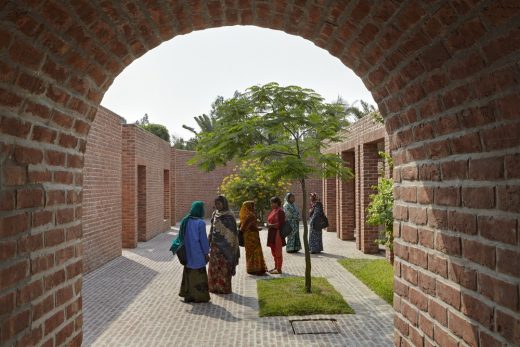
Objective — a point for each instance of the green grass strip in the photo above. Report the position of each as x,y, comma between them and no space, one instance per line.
376,274
286,297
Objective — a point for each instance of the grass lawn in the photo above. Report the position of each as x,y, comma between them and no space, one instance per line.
377,274
287,297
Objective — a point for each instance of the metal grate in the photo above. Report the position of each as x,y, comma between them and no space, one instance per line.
314,326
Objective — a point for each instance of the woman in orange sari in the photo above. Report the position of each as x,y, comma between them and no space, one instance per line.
255,263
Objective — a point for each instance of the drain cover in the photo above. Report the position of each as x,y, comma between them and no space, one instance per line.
314,326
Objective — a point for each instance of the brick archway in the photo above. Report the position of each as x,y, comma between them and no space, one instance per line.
444,74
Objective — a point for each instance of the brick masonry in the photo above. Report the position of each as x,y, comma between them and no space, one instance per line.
136,186
347,200
444,75
102,219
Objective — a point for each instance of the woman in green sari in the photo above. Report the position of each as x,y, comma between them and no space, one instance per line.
292,216
192,236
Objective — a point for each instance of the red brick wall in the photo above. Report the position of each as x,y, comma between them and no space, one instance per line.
206,184
444,75
348,203
102,191
193,184
153,154
312,185
368,174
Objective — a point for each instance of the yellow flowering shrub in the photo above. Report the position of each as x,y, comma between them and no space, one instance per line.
252,182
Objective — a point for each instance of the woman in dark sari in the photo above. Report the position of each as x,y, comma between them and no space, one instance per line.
224,248
315,214
255,263
275,221
192,235
293,218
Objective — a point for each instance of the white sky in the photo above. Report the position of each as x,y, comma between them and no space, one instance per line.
182,77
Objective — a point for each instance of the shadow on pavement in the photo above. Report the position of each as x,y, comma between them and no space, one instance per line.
109,291
248,301
145,249
212,310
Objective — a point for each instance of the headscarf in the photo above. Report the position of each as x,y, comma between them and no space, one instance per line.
196,212
224,202
314,200
247,215
247,210
291,211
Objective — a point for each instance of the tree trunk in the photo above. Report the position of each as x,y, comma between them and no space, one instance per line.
308,284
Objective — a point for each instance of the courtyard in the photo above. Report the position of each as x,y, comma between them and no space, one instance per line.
132,301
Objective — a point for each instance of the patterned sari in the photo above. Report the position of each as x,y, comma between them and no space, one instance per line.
315,213
224,250
255,263
292,216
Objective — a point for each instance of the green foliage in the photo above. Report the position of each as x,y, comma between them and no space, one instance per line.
378,275
381,206
251,182
207,123
287,297
180,143
157,130
354,112
285,129
379,211
144,120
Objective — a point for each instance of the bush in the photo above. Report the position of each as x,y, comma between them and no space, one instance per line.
381,206
157,130
251,182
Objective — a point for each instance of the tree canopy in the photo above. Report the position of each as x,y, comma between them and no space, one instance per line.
285,129
158,130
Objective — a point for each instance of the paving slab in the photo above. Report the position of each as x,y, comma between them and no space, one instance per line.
133,301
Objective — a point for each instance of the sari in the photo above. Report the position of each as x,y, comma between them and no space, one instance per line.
224,249
194,285
315,213
292,216
274,240
255,263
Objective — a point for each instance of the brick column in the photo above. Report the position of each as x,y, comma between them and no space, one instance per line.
329,202
368,178
357,201
173,216
129,189
346,202
141,203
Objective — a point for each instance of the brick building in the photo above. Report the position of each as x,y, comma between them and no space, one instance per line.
345,202
136,186
444,74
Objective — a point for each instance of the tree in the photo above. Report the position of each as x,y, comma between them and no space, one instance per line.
206,123
180,143
157,130
251,182
285,128
355,113
143,121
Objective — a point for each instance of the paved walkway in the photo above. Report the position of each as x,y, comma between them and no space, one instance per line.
132,301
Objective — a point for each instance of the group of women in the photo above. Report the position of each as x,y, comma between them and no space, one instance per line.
221,248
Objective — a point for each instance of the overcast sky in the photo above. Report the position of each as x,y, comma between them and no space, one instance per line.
180,79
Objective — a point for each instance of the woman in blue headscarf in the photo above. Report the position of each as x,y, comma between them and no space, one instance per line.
192,236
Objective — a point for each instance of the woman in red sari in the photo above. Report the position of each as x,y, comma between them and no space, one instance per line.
275,221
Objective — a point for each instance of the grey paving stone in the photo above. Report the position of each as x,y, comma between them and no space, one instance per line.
132,301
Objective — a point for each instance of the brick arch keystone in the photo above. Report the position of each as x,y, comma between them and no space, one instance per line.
444,74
